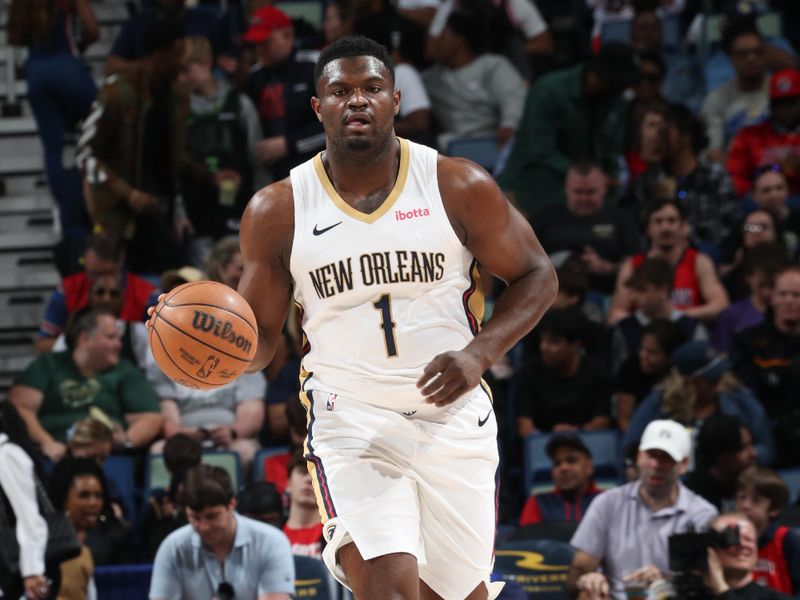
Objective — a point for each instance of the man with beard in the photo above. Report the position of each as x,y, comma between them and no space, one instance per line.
696,289
625,529
377,240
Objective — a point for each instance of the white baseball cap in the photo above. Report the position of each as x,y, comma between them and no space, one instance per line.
669,436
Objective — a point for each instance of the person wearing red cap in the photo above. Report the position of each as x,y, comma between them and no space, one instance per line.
775,141
281,87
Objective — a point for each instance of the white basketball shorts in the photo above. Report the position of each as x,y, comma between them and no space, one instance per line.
420,480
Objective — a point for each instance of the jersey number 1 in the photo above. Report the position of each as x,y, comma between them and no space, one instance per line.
387,325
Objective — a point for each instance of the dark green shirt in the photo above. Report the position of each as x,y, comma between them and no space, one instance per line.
559,125
68,395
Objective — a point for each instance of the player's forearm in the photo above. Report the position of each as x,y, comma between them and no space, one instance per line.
516,312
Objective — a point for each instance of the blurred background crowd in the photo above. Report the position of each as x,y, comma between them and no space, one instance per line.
654,145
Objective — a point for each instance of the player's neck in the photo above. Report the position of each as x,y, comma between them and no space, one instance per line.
355,175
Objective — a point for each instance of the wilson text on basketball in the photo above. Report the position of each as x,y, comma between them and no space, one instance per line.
222,329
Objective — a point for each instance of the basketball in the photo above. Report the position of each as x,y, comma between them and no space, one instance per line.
203,335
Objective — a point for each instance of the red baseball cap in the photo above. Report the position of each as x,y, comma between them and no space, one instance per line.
263,22
784,84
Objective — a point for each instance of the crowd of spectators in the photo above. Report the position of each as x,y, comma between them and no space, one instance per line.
659,166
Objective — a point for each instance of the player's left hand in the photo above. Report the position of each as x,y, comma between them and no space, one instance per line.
152,309
448,376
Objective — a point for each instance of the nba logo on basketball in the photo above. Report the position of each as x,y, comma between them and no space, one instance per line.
208,367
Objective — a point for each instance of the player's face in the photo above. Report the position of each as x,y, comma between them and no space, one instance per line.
741,558
786,297
572,469
213,524
356,104
770,191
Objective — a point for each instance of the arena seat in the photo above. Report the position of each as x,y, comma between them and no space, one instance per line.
123,582
539,566
157,476
482,150
311,579
792,479
119,470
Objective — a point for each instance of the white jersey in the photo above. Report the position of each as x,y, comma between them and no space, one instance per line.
380,294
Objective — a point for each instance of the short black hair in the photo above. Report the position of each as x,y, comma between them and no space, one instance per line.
765,257
350,46
181,453
260,497
685,121
657,204
470,25
737,29
653,271
668,334
719,435
567,323
64,475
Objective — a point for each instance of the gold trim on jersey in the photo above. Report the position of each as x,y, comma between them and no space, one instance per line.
312,468
402,175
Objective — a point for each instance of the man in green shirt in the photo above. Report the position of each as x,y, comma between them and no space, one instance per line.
575,113
59,388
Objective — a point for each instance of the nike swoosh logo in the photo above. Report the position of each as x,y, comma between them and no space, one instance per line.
321,231
482,422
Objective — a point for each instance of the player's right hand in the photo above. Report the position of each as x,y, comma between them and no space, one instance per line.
448,376
152,309
594,584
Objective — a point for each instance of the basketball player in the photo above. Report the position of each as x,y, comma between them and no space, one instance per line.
377,240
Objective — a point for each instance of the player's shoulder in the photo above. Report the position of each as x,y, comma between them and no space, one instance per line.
273,200
460,174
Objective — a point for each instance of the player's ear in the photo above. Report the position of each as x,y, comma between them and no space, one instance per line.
396,102
315,106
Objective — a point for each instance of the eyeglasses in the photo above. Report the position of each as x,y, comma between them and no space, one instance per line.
225,591
754,227
110,292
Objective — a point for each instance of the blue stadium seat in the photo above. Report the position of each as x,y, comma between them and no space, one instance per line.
539,566
119,471
792,479
123,582
261,456
603,444
482,150
157,477
311,579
